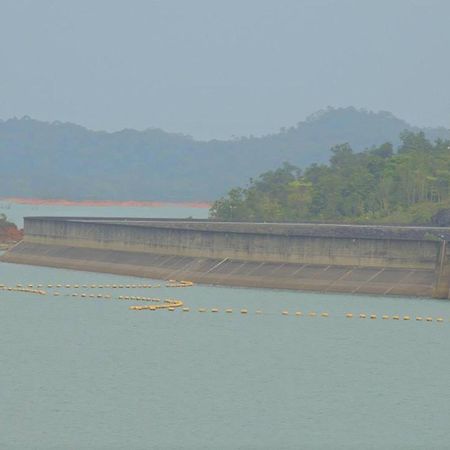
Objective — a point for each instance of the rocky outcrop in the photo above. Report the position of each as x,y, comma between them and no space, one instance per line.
10,234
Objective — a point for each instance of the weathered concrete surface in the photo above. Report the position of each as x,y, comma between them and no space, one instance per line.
329,258
418,282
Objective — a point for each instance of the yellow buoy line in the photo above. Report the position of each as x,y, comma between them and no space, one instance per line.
168,303
27,290
323,314
172,304
170,284
179,284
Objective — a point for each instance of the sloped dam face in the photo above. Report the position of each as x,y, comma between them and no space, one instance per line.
385,260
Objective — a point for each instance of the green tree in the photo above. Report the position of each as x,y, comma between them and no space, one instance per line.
378,184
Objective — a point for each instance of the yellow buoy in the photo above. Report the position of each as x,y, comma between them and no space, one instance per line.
385,317
229,310
244,311
298,313
406,318
214,310
419,318
349,315
395,317
429,319
312,314
373,316
439,319
324,314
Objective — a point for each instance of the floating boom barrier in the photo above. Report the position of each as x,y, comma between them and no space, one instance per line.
179,284
168,303
172,304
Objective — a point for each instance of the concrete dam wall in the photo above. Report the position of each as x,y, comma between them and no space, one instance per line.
384,260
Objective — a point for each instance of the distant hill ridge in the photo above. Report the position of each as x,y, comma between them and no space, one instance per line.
64,160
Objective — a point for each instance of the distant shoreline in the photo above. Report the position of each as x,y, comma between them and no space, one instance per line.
128,203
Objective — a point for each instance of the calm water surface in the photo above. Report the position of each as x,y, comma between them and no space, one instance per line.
91,374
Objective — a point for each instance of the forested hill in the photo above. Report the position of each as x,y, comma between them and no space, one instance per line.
379,185
63,160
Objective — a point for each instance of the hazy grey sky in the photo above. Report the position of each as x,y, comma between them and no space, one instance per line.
216,68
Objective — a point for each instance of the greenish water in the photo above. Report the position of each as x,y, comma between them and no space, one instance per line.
91,374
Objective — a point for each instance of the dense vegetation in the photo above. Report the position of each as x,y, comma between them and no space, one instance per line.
4,222
62,160
378,185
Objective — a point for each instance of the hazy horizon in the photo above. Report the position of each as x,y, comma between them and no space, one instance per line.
316,115
217,70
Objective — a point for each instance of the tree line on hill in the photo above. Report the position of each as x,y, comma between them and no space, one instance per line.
63,160
408,185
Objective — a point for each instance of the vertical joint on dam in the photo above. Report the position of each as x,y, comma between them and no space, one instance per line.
441,287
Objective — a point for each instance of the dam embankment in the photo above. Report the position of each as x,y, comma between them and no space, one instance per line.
386,260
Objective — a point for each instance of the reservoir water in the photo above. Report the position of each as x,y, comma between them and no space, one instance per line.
91,374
